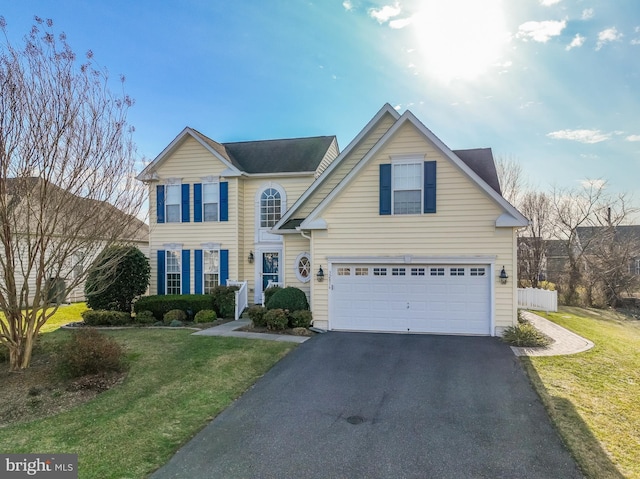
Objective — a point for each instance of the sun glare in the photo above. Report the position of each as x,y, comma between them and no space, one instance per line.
460,39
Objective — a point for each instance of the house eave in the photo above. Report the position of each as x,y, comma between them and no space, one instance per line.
507,220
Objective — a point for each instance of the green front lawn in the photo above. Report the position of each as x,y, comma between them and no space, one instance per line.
176,384
594,397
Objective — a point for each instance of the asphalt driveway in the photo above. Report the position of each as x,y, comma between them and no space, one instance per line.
360,405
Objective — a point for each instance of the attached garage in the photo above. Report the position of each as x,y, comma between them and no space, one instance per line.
420,298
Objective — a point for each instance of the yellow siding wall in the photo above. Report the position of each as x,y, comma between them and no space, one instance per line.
294,245
463,225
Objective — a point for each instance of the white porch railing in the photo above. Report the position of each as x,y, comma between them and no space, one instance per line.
242,297
540,299
271,284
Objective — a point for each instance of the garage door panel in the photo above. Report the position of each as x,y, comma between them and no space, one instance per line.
436,299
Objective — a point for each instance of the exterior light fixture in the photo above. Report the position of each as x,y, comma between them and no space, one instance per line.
320,274
250,258
503,276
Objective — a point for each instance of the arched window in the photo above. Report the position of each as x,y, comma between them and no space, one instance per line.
270,207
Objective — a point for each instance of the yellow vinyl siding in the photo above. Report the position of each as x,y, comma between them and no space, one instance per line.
464,224
345,166
294,245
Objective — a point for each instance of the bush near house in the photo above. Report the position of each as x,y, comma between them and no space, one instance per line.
300,319
224,301
205,316
106,318
290,298
159,305
256,315
90,352
145,317
276,319
525,335
269,292
174,315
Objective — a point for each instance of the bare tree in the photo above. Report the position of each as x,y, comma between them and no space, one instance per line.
532,251
511,178
66,177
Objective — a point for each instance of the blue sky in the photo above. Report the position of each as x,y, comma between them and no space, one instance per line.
554,84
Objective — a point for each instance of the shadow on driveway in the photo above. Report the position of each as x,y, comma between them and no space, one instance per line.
361,405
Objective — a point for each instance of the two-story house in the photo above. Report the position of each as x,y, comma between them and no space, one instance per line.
396,233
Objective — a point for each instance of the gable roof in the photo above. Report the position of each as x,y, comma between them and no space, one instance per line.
279,156
629,234
477,165
293,155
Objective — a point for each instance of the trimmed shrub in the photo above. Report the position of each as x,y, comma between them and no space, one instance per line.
159,305
224,301
90,352
276,319
145,317
524,335
117,276
289,298
256,315
105,318
174,315
205,316
176,323
269,292
300,319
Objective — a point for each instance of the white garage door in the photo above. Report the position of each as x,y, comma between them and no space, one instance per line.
449,299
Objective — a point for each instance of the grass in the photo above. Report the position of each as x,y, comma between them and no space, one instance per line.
176,384
593,397
67,313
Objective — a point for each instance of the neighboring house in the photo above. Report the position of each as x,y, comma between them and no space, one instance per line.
396,233
596,240
65,268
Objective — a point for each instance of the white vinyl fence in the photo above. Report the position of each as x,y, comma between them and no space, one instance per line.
540,299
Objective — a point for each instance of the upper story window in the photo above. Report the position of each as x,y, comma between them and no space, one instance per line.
172,203
270,207
407,188
210,201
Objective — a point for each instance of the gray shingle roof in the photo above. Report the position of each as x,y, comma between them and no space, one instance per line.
480,160
279,156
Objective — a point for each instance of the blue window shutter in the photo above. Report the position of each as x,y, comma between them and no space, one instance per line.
160,203
385,189
197,267
197,202
186,271
224,201
161,271
185,203
224,266
429,187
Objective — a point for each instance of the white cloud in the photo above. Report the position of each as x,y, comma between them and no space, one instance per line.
577,41
633,138
636,41
582,136
541,31
548,3
608,35
587,13
401,22
348,6
384,14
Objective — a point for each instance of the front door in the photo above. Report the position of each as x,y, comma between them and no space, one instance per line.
270,267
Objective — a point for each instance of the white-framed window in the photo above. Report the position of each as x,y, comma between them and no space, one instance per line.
173,271
398,272
210,269
172,203
436,271
270,207
362,271
379,271
303,267
344,271
417,272
211,201
456,271
478,272
407,188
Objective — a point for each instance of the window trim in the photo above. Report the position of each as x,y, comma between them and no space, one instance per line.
415,161
279,198
296,267
167,253
167,204
204,184
204,272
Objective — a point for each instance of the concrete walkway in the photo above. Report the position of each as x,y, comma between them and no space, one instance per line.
564,341
229,329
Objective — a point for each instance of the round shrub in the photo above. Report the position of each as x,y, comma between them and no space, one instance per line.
176,323
205,316
290,298
224,300
174,315
105,318
276,319
256,315
269,292
145,317
300,319
90,352
117,276
524,335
